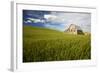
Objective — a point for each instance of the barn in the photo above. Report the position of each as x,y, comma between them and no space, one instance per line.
74,29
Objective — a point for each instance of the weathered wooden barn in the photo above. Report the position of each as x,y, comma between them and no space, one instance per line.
74,29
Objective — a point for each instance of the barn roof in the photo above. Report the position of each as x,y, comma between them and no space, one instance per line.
76,26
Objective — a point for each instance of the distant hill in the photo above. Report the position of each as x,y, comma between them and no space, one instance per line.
42,33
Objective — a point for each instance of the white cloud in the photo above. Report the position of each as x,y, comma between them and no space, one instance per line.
49,16
81,19
35,20
28,21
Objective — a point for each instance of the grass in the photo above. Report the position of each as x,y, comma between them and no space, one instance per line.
42,44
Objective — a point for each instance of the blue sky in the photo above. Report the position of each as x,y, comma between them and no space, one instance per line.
57,20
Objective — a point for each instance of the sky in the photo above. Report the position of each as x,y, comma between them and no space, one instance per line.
57,20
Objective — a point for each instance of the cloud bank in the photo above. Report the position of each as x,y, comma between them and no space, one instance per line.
59,20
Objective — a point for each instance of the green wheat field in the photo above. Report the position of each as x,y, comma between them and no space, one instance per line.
42,44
